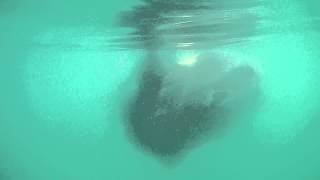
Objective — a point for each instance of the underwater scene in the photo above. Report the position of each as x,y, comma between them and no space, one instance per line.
159,89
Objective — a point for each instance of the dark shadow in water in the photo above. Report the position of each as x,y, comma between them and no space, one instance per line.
160,126
166,129
156,123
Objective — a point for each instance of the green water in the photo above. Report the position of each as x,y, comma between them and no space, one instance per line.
60,91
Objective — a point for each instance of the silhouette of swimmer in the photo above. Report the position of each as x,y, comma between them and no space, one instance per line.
170,111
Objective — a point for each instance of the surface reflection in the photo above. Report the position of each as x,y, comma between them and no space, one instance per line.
189,24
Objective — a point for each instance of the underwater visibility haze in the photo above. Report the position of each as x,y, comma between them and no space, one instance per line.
159,89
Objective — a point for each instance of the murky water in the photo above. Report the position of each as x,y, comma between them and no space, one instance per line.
64,86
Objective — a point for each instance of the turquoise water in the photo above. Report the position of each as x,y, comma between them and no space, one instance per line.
62,89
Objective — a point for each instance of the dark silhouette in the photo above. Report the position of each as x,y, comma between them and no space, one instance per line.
156,122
